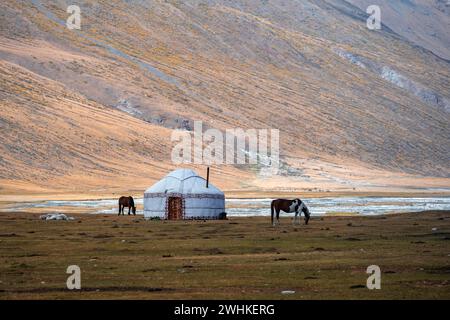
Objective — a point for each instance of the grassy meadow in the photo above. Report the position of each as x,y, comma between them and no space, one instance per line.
240,258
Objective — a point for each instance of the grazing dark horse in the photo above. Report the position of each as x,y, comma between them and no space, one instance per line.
289,206
126,202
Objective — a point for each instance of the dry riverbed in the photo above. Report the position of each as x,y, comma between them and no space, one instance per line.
241,258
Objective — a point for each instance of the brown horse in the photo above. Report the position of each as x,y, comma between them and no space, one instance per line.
126,202
288,206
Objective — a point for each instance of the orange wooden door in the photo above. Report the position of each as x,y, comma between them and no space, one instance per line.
175,208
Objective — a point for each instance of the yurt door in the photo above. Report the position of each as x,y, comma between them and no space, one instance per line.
175,208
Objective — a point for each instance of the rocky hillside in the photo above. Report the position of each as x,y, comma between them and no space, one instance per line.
79,108
425,23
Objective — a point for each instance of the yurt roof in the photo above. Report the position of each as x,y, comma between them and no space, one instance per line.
183,181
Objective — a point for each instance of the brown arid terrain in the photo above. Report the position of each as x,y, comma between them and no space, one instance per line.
403,18
242,258
89,113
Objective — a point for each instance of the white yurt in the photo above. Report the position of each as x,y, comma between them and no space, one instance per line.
183,194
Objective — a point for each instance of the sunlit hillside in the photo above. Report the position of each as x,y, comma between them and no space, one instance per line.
91,111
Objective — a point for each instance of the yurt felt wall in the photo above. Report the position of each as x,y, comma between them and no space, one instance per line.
183,194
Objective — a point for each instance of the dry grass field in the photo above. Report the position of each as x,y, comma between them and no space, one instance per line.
240,258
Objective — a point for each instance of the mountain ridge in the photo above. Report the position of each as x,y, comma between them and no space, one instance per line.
338,93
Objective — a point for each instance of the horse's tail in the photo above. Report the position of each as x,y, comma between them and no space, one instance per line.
131,201
272,205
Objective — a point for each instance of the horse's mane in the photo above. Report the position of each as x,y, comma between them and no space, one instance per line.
131,201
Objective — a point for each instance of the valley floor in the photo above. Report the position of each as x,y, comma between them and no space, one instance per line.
241,258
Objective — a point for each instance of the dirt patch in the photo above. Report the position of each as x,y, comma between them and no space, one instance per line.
88,289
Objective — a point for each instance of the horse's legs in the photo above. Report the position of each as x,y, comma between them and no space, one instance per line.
120,208
129,209
271,213
278,216
273,222
295,217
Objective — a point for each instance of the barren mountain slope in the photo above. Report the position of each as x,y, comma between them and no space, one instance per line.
352,105
55,139
423,22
